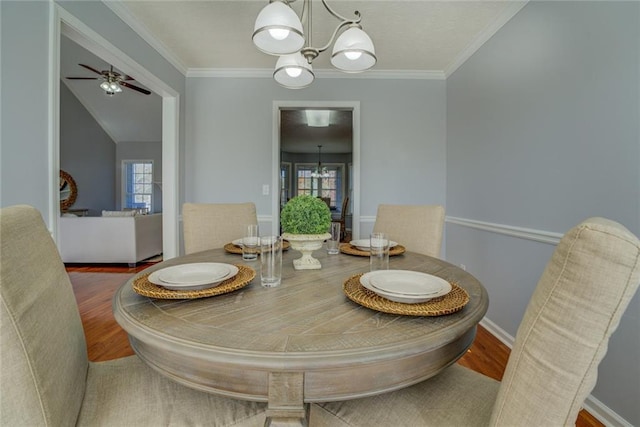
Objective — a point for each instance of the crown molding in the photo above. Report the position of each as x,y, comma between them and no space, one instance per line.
230,72
484,36
123,13
331,74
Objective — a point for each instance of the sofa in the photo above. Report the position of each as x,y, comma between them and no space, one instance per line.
109,239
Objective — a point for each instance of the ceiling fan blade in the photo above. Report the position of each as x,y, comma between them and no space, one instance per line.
82,78
139,89
91,69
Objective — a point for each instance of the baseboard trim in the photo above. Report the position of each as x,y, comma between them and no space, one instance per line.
599,410
542,236
604,414
497,332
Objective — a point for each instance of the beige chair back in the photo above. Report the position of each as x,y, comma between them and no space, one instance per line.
212,225
417,228
577,304
44,358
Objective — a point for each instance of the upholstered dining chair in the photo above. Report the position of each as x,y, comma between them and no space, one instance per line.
576,306
212,225
46,378
416,227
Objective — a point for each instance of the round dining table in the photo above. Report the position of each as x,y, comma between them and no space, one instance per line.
302,341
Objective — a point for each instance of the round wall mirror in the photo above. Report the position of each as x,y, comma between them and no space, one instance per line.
68,191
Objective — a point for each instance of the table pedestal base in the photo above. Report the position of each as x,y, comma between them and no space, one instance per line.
286,400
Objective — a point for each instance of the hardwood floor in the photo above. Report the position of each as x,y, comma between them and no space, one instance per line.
94,287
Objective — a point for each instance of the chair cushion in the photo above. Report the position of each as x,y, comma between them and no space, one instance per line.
417,228
212,225
125,392
585,288
456,397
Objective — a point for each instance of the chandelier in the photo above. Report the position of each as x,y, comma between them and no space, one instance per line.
278,31
320,171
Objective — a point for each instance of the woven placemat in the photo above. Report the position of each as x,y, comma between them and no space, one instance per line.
233,249
143,286
447,304
346,248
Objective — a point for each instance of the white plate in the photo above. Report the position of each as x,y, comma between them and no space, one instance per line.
364,244
237,242
195,276
405,286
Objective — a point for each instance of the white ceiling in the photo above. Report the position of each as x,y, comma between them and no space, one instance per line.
409,35
413,38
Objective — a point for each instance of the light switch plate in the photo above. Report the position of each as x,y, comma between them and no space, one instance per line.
265,189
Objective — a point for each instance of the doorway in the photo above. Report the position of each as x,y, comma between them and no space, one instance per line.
296,152
71,27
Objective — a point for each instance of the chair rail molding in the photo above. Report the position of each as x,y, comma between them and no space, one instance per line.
542,236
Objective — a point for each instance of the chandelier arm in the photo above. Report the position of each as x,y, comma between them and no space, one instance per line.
311,52
340,17
333,36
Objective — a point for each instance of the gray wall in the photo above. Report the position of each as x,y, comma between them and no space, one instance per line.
542,132
140,151
88,154
402,140
25,171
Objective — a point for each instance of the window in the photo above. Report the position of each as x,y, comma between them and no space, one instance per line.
331,187
138,184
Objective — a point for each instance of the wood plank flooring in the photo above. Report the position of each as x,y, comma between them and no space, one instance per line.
94,286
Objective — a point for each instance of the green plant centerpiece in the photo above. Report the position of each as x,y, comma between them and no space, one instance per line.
305,221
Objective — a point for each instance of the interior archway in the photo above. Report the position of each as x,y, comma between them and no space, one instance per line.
71,27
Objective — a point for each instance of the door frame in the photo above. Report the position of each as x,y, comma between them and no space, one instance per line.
354,106
67,24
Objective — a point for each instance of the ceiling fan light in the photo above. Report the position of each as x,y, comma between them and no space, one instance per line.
105,86
278,30
293,71
353,52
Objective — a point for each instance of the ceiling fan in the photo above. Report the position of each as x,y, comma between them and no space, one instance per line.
112,80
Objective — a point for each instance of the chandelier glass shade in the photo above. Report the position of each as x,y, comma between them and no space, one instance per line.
353,52
320,171
279,31
293,71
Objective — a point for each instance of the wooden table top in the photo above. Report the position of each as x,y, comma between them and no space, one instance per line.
245,343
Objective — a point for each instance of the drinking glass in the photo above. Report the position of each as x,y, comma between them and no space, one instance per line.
379,249
270,261
333,243
250,243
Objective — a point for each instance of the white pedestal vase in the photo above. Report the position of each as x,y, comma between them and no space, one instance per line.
306,244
